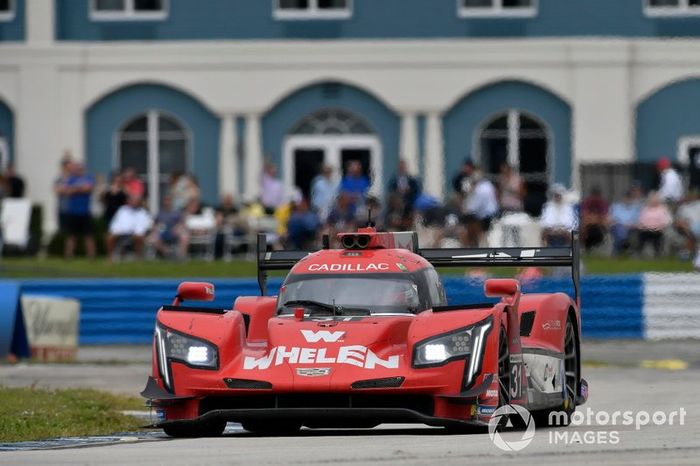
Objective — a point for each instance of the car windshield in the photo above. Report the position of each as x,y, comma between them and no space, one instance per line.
355,292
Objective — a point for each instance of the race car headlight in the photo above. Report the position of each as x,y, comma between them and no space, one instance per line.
454,345
186,349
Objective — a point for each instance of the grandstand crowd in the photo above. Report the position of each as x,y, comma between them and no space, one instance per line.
480,210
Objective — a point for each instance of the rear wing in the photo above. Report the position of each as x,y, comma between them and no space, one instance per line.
567,256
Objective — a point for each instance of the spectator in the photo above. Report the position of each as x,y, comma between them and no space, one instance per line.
324,189
671,187
653,220
230,221
481,206
687,220
272,191
14,183
113,198
130,222
558,218
406,186
624,218
394,216
342,215
78,190
169,230
58,187
284,212
594,218
511,190
133,184
462,181
181,190
303,226
355,183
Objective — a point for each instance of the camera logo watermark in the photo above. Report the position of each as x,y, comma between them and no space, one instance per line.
503,418
506,417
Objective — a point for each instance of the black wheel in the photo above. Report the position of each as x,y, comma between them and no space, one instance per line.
572,376
200,429
272,427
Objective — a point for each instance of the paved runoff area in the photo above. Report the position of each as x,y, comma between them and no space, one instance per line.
643,409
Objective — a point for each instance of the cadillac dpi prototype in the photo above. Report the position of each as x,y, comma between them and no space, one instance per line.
363,335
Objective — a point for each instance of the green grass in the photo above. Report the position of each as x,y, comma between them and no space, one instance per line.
34,414
100,268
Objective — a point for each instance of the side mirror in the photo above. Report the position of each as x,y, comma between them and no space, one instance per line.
500,287
194,291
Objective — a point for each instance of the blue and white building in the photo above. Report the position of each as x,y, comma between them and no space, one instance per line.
215,86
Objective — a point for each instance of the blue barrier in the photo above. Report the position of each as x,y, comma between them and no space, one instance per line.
123,310
13,336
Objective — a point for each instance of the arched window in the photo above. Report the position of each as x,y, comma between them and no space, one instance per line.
331,121
155,145
521,141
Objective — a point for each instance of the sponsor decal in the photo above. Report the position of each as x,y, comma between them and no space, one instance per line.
325,335
313,371
490,255
382,266
486,410
402,267
354,355
552,325
160,414
491,393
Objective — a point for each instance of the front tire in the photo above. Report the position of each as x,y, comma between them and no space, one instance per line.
199,429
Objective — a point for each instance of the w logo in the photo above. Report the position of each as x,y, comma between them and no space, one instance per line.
322,335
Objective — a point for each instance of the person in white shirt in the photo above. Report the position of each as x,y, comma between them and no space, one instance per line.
671,187
324,190
558,219
132,221
480,207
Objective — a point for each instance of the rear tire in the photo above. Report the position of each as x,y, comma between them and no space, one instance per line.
272,428
200,429
571,382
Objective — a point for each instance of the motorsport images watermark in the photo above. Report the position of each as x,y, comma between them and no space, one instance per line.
508,416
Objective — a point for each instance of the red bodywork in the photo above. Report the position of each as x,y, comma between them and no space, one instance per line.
360,370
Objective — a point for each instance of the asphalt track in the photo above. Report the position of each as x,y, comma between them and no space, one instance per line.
622,377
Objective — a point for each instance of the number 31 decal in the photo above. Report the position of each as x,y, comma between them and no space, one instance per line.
516,386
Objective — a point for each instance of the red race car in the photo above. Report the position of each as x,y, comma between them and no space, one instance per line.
363,335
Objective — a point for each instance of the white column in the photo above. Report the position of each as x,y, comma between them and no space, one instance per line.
228,163
409,142
40,21
434,172
253,155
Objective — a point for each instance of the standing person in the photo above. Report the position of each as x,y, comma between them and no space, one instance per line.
272,191
594,218
671,187
355,184
113,198
78,189
14,182
406,186
179,190
133,184
58,188
481,207
511,190
324,189
461,182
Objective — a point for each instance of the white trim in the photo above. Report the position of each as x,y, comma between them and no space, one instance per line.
514,149
684,144
4,154
312,12
683,9
10,14
333,145
497,10
129,13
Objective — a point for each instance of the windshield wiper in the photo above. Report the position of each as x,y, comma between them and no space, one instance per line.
310,302
333,309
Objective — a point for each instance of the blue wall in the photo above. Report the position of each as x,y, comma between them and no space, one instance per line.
252,19
108,115
13,30
7,127
664,117
123,311
279,120
462,120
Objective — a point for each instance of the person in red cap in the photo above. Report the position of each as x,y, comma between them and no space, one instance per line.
671,187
